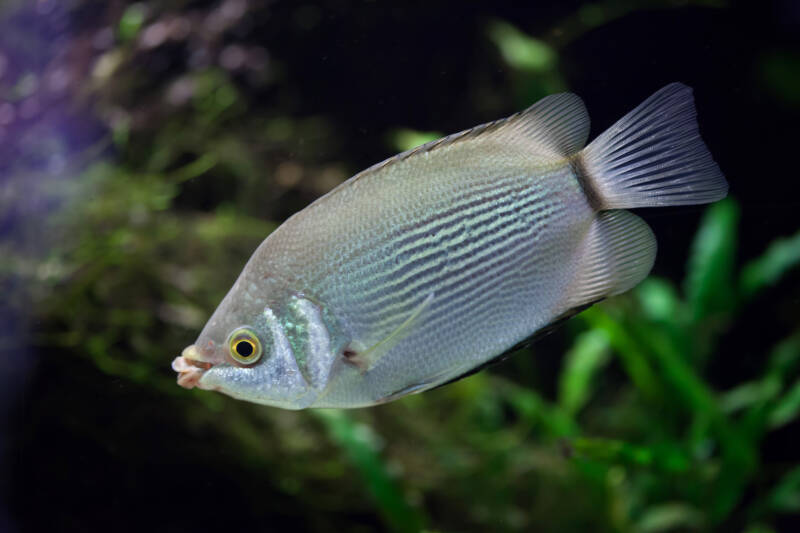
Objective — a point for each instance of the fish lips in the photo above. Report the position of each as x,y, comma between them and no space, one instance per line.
190,366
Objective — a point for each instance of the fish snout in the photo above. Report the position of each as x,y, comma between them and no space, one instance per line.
191,365
199,357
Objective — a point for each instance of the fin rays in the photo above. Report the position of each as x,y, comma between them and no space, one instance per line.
653,156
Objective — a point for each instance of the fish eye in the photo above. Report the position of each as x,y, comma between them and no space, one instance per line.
244,346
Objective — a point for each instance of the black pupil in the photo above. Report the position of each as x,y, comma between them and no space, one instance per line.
244,348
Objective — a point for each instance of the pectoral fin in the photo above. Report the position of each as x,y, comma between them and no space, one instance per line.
366,359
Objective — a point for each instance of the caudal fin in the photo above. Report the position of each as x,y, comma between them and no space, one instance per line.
653,156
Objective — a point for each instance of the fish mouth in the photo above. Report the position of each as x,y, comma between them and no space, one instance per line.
190,366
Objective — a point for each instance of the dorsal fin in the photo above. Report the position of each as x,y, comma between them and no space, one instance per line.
557,125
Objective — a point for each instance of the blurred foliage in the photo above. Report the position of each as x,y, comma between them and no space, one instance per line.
128,227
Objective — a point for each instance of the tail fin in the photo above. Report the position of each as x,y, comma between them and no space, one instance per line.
653,156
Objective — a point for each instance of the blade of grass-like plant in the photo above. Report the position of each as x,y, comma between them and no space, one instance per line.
666,458
670,517
681,378
781,256
783,498
587,356
661,305
709,277
630,353
787,408
520,50
750,393
405,139
659,300
196,168
737,448
786,496
783,360
677,379
535,410
534,61
359,444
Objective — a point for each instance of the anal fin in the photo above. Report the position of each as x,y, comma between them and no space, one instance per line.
616,255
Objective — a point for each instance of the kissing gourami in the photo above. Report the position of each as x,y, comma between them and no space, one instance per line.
433,263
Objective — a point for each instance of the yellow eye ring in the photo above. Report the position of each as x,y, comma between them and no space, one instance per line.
244,346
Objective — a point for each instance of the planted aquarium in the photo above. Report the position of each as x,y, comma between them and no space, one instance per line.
364,266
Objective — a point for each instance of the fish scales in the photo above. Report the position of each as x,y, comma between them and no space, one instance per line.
463,237
434,262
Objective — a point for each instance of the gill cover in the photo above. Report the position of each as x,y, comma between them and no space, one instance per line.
276,379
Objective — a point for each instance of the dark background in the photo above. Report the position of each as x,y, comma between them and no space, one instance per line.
130,200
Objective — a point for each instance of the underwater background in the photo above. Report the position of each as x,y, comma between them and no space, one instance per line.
147,148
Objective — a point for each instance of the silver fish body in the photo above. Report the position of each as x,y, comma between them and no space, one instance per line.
428,265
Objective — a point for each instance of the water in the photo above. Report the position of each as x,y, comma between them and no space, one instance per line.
146,149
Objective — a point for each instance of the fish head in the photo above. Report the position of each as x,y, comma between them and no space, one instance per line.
244,352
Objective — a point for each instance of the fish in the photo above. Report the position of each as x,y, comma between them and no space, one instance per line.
428,266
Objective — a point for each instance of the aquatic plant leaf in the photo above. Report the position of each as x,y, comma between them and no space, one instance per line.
785,356
639,344
131,21
631,354
708,282
588,355
404,139
759,528
665,457
522,51
614,451
785,497
787,407
670,517
780,71
659,299
673,369
360,445
749,393
535,410
781,256
764,395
